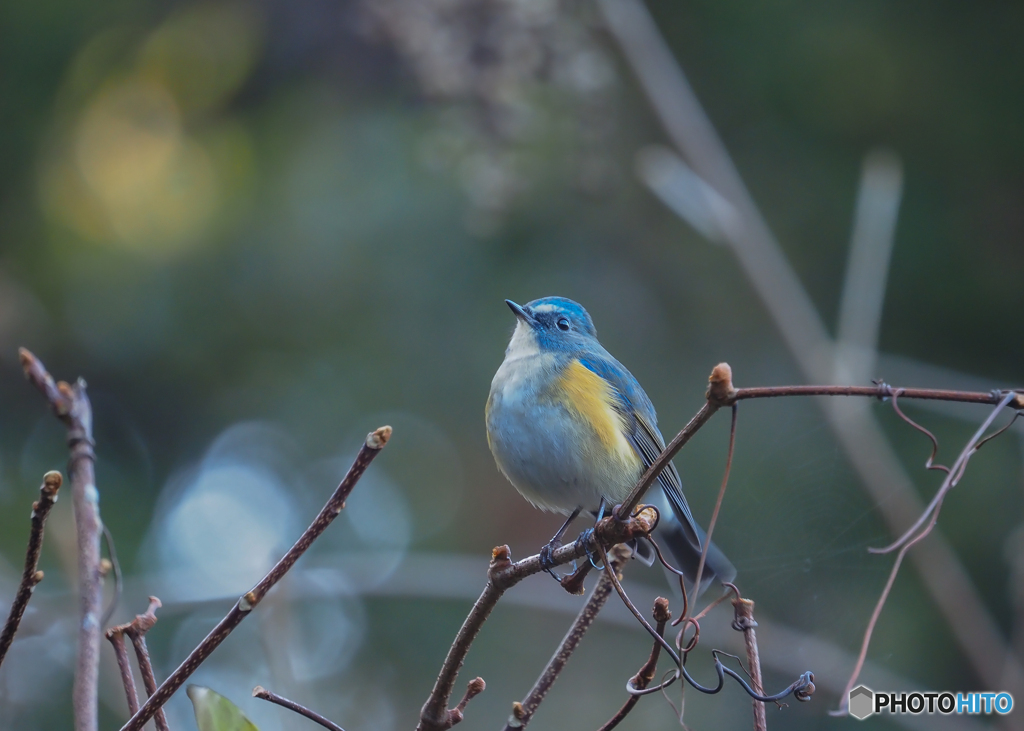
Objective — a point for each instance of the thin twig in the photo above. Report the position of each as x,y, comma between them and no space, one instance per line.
474,687
645,674
907,542
116,637
703,613
502,575
802,688
260,692
744,622
435,714
953,475
31,576
374,443
844,697
881,390
71,405
522,713
718,502
136,632
929,463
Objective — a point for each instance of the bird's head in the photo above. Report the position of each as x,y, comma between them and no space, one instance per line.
551,324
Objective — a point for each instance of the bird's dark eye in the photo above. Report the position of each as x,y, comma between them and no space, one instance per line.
563,324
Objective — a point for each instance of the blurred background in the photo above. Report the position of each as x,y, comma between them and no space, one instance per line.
260,230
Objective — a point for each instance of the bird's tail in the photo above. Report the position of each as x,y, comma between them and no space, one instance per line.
717,568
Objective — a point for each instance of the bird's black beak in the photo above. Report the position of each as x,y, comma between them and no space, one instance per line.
521,313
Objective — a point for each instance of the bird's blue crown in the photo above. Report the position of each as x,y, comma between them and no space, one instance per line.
555,316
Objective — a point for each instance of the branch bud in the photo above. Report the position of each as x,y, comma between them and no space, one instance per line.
720,389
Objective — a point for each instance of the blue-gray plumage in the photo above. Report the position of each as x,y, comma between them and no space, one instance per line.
568,425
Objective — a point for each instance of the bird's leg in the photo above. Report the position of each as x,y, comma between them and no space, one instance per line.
546,553
584,537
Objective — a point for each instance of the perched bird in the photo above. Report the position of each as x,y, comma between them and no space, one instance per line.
572,429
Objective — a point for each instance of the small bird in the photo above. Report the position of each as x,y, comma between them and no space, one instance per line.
573,430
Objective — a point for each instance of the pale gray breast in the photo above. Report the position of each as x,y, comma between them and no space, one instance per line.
536,442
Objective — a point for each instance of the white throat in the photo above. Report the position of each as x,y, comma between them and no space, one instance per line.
523,343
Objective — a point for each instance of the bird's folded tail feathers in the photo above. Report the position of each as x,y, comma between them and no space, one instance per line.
717,568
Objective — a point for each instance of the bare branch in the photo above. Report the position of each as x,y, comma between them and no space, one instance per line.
116,637
645,674
31,576
136,632
260,692
71,405
474,687
375,442
802,688
909,540
953,475
501,576
881,391
522,713
435,715
744,622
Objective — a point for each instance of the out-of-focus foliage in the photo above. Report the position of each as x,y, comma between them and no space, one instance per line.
260,230
214,712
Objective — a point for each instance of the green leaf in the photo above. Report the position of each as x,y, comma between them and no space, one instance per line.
214,712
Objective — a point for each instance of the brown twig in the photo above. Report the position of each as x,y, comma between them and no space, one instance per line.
124,665
953,474
909,540
502,575
474,687
260,692
435,714
802,688
136,631
744,622
718,502
880,391
645,674
522,713
31,576
375,442
71,405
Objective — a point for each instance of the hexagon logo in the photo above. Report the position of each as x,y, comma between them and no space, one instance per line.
862,702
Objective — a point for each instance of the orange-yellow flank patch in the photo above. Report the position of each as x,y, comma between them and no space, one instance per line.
593,399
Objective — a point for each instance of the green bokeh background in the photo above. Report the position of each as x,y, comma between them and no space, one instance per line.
261,221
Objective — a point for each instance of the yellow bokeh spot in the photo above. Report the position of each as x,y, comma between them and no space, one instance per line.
202,54
123,169
156,186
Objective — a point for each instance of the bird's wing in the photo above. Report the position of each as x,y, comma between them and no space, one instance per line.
644,435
